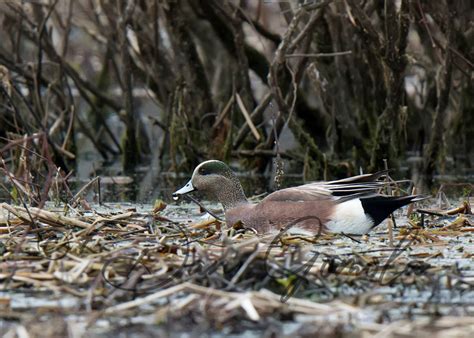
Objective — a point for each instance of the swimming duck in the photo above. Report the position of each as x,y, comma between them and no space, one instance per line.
350,206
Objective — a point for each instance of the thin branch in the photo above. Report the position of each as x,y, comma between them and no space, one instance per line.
318,55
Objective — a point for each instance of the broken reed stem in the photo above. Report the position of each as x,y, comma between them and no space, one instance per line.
411,206
255,116
87,185
248,119
224,112
48,217
390,230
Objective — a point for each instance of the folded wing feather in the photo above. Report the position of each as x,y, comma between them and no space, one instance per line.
338,191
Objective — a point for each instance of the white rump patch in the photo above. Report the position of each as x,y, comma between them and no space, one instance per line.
349,217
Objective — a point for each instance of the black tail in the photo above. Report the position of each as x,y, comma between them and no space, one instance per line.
378,207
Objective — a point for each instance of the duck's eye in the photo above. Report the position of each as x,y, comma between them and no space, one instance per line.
203,171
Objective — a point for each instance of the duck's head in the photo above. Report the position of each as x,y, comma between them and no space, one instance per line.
216,179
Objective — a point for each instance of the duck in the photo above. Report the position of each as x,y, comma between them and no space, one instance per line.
351,206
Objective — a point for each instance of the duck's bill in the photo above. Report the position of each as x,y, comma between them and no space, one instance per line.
184,190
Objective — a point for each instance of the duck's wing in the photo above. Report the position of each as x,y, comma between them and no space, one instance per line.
340,190
348,189
307,192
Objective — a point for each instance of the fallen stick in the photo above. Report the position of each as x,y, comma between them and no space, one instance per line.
47,217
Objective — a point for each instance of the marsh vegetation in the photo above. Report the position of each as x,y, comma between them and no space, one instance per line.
100,95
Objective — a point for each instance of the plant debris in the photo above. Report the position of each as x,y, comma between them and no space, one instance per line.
94,270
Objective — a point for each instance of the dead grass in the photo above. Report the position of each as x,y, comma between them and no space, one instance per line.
150,265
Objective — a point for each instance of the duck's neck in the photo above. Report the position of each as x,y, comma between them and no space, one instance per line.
231,194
